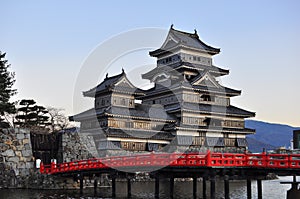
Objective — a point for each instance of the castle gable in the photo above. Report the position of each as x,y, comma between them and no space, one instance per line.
206,80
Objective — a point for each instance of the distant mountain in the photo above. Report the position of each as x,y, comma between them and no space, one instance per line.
256,146
268,135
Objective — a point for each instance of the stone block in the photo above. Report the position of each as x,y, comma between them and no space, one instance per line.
26,141
22,159
17,142
24,172
20,136
20,148
26,153
24,131
13,147
8,142
29,165
22,165
8,153
28,159
3,147
27,146
13,159
18,153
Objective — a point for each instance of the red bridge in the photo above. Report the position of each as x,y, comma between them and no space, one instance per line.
274,161
207,166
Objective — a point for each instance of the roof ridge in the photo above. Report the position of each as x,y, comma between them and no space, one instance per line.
114,76
186,33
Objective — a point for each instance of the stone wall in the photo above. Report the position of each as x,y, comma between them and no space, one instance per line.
77,146
16,160
17,169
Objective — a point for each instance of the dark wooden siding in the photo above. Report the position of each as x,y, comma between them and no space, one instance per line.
47,146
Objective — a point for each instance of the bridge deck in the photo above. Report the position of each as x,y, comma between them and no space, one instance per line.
192,160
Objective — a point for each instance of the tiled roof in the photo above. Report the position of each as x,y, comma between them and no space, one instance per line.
109,84
207,108
216,128
221,90
185,65
184,39
140,111
88,114
138,134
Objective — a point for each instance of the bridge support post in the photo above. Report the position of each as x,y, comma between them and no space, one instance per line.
249,191
156,187
129,187
213,187
95,186
294,192
259,189
171,187
226,186
204,195
81,183
195,187
113,187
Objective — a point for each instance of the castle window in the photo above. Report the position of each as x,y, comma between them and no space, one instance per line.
207,98
199,59
123,102
194,58
130,102
128,124
213,122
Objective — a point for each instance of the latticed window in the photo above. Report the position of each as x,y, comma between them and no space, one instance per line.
229,142
232,123
133,146
198,141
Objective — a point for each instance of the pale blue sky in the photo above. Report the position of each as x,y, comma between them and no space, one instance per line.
47,42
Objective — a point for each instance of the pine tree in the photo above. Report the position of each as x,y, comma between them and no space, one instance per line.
7,79
30,115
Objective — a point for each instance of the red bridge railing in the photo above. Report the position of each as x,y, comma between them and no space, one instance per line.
280,161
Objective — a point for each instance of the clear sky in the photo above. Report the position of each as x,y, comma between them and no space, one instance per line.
47,43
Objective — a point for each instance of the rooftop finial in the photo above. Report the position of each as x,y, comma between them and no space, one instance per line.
106,76
195,31
123,70
172,26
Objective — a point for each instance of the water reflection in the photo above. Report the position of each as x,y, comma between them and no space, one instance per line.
145,190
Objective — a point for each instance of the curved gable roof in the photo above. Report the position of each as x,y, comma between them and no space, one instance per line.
177,38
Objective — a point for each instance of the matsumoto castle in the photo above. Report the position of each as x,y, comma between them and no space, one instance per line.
186,110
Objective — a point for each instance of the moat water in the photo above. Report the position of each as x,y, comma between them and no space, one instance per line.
271,189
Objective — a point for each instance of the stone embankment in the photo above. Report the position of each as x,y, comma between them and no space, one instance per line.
16,160
17,164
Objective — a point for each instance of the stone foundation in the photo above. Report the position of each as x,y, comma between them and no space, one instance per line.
17,169
77,146
16,160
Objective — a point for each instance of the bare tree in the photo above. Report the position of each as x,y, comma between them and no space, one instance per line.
58,119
